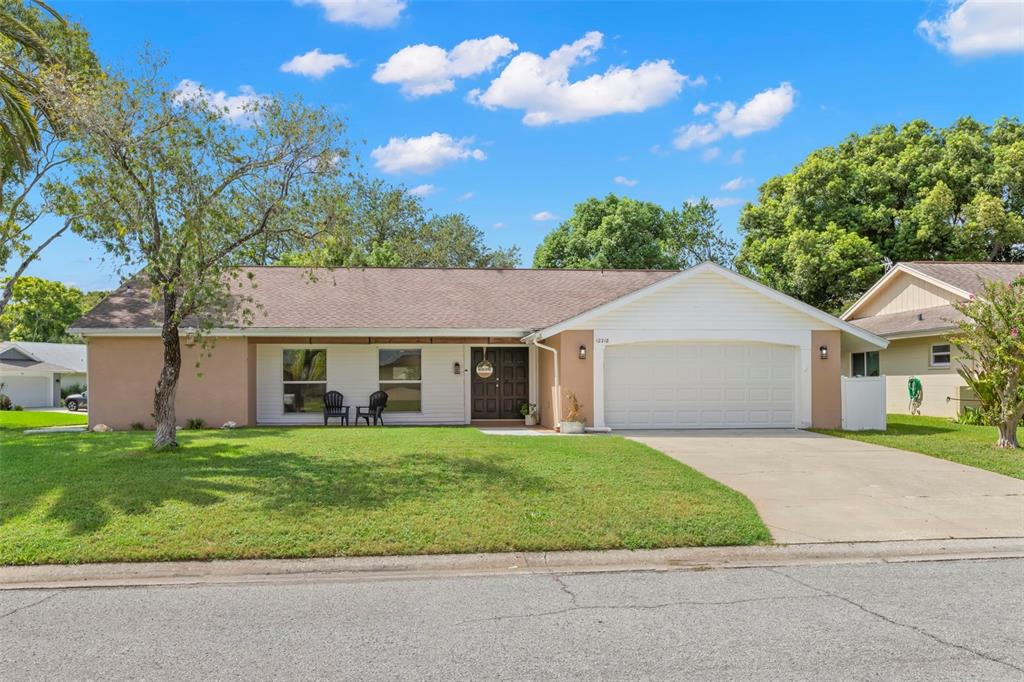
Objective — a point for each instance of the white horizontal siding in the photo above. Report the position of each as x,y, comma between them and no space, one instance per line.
352,369
705,301
906,292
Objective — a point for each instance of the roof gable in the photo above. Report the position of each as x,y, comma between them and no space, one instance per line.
709,291
958,280
68,357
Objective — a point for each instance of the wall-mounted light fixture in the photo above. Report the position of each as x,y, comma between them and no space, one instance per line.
823,352
457,368
583,352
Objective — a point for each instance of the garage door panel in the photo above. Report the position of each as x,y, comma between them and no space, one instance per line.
700,385
28,391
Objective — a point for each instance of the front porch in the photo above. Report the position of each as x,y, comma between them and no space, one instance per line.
429,381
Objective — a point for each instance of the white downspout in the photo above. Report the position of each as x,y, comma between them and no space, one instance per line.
558,383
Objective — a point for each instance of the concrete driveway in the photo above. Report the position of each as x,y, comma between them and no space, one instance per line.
814,488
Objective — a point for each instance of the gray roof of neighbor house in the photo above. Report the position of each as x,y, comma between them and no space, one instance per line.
391,298
939,319
56,357
969,277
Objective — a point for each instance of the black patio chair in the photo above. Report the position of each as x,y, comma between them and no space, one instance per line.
378,401
334,407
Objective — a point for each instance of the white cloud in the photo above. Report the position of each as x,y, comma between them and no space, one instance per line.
710,154
540,86
700,109
498,226
544,216
423,70
763,111
658,150
736,184
315,64
242,108
720,202
467,196
423,190
972,28
737,157
623,180
424,154
365,13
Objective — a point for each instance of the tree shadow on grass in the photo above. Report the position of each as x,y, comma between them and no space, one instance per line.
92,478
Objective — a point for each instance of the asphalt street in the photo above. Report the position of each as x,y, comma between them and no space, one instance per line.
909,621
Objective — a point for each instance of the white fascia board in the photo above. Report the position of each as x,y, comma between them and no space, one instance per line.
15,345
884,280
291,331
767,291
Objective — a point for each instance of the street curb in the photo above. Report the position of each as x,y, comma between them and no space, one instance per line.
508,563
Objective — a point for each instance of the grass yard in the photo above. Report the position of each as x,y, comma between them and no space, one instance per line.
296,492
18,420
940,437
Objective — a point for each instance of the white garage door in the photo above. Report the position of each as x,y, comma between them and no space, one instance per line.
700,386
28,391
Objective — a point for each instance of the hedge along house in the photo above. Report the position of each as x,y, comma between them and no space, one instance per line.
700,348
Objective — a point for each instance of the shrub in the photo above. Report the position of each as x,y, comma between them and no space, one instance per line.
195,424
17,408
5,402
71,389
137,426
972,416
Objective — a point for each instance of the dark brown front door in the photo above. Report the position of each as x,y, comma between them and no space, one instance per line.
501,395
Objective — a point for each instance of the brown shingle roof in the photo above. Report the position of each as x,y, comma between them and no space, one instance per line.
968,276
381,298
938,319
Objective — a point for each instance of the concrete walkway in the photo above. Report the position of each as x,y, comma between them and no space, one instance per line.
814,488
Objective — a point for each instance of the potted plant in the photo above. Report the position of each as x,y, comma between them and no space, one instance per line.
529,412
573,422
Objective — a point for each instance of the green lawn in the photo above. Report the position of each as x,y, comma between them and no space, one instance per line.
18,420
293,492
940,437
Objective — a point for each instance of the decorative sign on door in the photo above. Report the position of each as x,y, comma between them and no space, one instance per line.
484,369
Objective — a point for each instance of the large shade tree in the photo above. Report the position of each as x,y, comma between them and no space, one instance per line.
42,310
385,226
619,232
912,193
174,188
36,46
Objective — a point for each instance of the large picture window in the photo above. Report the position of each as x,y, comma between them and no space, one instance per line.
401,378
864,364
305,379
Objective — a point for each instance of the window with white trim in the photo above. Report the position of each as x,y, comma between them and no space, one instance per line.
401,377
941,355
864,364
304,379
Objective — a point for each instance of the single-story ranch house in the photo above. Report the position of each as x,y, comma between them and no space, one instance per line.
912,307
698,348
33,373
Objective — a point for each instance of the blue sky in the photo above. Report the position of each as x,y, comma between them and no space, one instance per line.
798,75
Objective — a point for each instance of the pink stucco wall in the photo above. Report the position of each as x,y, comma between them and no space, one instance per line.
123,372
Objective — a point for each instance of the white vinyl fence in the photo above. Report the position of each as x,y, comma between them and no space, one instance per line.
863,403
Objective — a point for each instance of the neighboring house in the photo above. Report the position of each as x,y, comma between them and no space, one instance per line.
701,348
911,306
33,373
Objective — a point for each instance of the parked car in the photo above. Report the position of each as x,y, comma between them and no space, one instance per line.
77,400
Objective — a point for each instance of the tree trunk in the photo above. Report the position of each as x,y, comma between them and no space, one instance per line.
167,387
1008,434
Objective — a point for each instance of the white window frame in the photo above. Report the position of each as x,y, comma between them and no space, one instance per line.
285,382
384,382
865,354
948,352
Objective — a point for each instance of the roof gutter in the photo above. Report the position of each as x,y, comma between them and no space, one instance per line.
532,339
